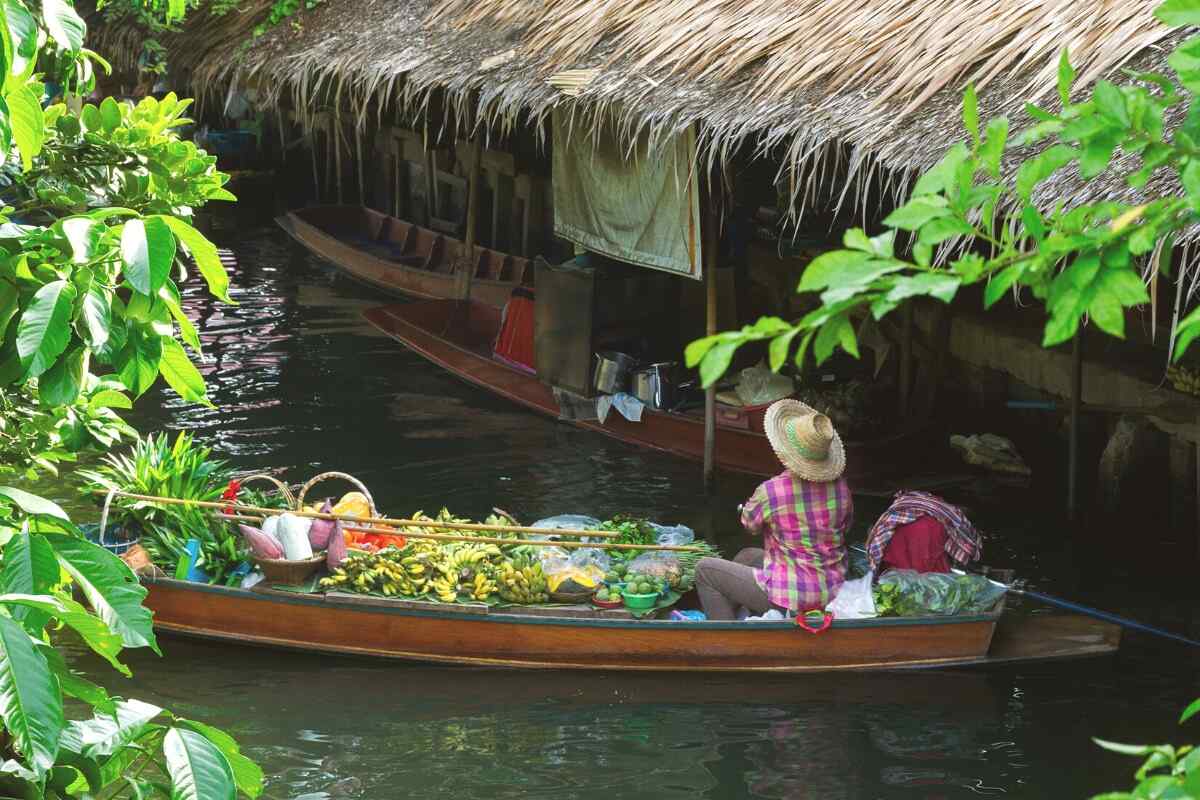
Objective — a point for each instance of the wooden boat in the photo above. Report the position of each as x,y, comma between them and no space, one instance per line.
446,334
547,638
401,258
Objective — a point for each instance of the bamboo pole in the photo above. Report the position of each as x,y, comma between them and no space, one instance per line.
359,522
450,537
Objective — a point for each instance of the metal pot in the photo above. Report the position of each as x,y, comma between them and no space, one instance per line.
656,386
612,372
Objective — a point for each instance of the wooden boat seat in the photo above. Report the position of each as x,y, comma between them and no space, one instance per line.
424,248
490,264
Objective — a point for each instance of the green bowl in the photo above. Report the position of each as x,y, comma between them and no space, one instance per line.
640,601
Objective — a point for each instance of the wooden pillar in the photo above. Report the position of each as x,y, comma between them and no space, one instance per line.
906,359
1073,435
468,260
709,260
358,146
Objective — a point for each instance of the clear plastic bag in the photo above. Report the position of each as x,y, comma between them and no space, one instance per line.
580,571
569,522
855,600
907,593
673,535
758,385
664,566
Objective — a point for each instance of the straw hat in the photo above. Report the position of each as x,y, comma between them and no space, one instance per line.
805,441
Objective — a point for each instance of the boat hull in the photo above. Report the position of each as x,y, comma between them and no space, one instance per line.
318,229
364,626
442,333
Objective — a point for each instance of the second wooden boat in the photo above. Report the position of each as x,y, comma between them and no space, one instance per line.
459,338
401,258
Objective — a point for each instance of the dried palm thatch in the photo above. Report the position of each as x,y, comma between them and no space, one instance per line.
850,93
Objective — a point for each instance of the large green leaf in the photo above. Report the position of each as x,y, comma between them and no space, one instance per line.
148,249
198,769
93,630
180,373
65,27
110,114
28,123
82,234
137,363
60,385
29,567
32,504
106,734
96,315
30,701
45,327
247,774
110,587
169,294
23,35
8,305
75,685
204,253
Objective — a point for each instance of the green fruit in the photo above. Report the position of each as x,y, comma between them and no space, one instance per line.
602,595
611,577
644,588
620,568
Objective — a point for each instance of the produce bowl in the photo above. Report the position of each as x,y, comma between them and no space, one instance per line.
289,573
640,602
607,603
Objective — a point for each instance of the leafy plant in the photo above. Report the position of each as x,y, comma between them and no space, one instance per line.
1078,262
156,466
1168,772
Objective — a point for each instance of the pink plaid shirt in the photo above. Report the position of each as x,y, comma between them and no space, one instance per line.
803,525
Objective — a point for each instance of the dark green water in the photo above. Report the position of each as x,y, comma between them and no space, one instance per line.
300,381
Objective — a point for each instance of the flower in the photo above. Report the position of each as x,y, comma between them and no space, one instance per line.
231,493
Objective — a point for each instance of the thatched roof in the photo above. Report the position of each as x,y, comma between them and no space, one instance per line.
876,81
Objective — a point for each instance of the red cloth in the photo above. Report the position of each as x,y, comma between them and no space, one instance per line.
514,345
919,545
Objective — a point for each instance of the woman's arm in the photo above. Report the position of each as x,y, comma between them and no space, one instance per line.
754,512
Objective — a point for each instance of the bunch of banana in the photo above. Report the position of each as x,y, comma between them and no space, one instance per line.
522,581
388,572
1184,380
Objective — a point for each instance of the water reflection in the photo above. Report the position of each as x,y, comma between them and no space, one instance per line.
302,384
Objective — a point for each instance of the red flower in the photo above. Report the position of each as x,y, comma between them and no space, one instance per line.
231,493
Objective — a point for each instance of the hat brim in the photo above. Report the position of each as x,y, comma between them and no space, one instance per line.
777,417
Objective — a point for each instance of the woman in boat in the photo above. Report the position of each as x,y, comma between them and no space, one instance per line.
922,532
802,514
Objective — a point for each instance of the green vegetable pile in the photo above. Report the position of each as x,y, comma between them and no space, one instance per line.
904,593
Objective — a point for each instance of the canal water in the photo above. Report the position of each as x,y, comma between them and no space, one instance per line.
301,382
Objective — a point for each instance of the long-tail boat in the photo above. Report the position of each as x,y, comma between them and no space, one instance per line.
458,337
401,258
577,638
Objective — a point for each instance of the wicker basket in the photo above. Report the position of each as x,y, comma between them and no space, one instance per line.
284,491
343,476
289,573
575,598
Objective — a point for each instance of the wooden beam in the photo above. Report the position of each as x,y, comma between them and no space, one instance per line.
1073,435
906,359
468,260
708,257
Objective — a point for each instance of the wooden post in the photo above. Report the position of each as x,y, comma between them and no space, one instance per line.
358,146
468,260
906,359
709,260
1073,434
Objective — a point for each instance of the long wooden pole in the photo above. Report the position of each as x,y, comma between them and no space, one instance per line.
361,521
468,260
709,259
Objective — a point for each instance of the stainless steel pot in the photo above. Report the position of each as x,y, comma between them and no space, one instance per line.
612,372
656,385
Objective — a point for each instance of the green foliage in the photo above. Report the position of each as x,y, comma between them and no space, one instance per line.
94,232
1168,772
1080,263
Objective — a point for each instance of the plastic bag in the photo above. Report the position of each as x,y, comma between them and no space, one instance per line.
673,535
570,522
758,386
664,566
907,593
580,571
855,600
